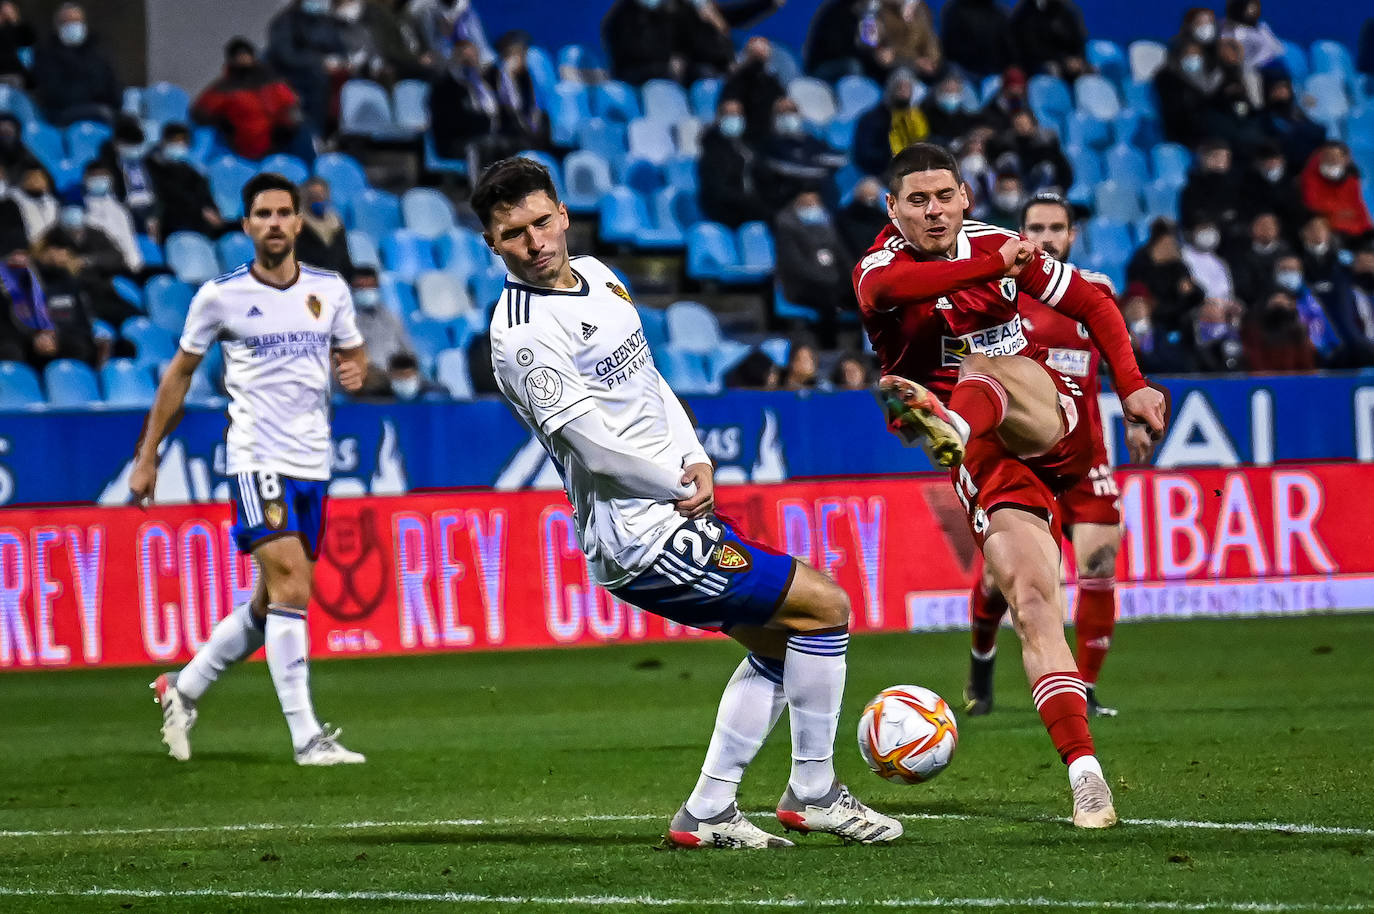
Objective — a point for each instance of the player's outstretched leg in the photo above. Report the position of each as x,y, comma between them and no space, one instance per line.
1024,559
916,415
233,639
1095,546
987,606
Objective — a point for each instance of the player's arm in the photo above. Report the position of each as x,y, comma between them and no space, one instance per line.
350,356
168,408
604,456
883,282
350,367
698,473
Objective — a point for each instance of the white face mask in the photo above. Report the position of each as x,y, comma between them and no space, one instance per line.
1007,200
1333,172
1205,32
788,124
1274,175
350,12
1192,64
1320,248
1289,279
974,164
406,388
72,217
1207,239
72,33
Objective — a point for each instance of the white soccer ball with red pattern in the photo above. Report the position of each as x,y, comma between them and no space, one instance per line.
907,734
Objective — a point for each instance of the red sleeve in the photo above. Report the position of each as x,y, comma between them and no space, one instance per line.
1059,286
884,281
209,103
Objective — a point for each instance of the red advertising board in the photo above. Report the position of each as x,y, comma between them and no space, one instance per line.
470,571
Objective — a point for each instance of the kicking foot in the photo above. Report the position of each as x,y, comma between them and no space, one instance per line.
976,705
324,749
178,716
1096,708
729,830
838,813
1092,802
915,415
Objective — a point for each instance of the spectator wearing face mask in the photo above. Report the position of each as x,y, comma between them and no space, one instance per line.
945,113
105,213
813,266
34,198
1321,330
977,36
1276,339
511,81
704,32
1159,351
1212,192
1237,97
1251,259
1050,37
1321,255
124,158
1361,314
1039,157
1208,270
728,190
889,126
440,24
860,221
467,114
974,167
322,241
1003,207
380,45
1258,42
1267,187
1331,188
14,155
1186,87
1285,123
753,84
76,263
1159,267
255,111
1007,102
387,335
1199,26
12,233
185,203
793,160
407,384
642,39
74,77
1217,338
305,45
15,35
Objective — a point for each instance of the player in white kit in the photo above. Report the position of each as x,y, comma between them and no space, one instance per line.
280,323
570,356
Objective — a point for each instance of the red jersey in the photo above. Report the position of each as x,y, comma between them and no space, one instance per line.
924,316
1066,344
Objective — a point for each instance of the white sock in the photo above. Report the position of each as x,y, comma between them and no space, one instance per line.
749,708
813,679
1082,765
233,638
288,653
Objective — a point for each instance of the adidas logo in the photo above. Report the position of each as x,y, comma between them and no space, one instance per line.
254,312
587,330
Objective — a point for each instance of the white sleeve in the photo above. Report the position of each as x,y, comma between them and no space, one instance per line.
680,426
202,320
604,455
345,330
535,367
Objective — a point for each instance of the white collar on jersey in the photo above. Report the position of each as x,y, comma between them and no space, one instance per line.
963,248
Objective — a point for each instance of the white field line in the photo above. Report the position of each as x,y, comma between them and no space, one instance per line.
650,901
1296,828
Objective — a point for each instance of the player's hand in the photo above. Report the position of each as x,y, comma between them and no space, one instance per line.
701,502
349,373
142,482
1139,444
1016,253
1146,406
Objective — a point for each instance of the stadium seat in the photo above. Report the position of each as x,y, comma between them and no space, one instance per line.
712,253
128,290
839,133
1146,57
1087,164
814,100
233,250
205,146
365,110
784,64
398,294
1082,129
1161,198
362,250
549,162
407,254
227,176
84,139
856,94
345,176
168,300
451,370
442,296
705,95
1140,99
166,103
14,101
625,220
777,348
588,177
787,310
70,384
642,176
1324,98
756,252
191,256
1109,61
569,109
650,140
1108,239
462,251
1118,202
376,212
665,102
1172,161
204,390
1332,57
127,384
607,139
578,57
426,212
45,142
153,344
437,164
615,101
1096,97
542,73
288,166
655,324
681,172
410,102
1127,165
430,339
687,136
687,373
19,386
1295,59
1049,98
676,207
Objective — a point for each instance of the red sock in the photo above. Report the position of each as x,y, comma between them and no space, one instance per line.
1094,623
985,614
982,402
1062,702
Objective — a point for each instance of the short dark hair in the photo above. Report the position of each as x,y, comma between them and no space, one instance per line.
1047,198
402,361
175,129
507,182
921,157
269,180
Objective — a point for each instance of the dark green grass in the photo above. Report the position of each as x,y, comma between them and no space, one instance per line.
1239,721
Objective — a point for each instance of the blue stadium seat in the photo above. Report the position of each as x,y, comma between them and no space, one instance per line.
1161,198
84,139
204,390
233,250
437,164
579,57
990,86
191,256
1140,99
712,253
687,373
784,64
1127,165
1049,98
625,220
1108,239
154,344
70,384
168,300
777,348
430,339
1334,57
569,109
642,176
1172,161
365,110
345,176
655,324
839,133
677,207
1085,130
131,102
398,294
486,288
128,290
542,73
151,251
588,177
127,384
650,140
462,251
166,103
606,138
206,147
410,102
1135,128
14,101
442,295
1118,202
549,162
814,100
376,212
705,95
451,370
1096,97
756,252
407,254
856,94
1108,59
227,176
1295,59
1087,164
665,101
720,361
687,137
18,386
681,172
288,166
426,212
1146,57
44,141
615,101
362,250
785,309
1324,98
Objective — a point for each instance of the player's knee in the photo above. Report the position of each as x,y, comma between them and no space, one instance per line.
291,586
815,603
1099,562
976,363
1035,609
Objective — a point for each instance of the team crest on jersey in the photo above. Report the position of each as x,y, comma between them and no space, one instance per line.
312,302
544,386
618,289
275,514
1008,286
731,558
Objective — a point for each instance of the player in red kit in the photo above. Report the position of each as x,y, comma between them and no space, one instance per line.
1090,509
938,298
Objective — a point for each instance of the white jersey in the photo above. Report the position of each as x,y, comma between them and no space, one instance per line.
277,345
560,354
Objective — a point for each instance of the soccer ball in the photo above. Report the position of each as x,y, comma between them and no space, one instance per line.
907,734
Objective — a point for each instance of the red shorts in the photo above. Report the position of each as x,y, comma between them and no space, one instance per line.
990,477
1094,499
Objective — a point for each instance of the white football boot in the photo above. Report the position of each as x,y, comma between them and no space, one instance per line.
324,749
1092,802
729,830
837,813
178,716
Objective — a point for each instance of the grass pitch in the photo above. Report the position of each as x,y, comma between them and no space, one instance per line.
541,781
